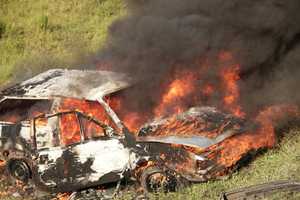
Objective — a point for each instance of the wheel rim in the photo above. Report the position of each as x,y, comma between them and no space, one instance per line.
19,170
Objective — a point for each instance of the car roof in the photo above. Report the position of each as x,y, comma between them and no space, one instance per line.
80,84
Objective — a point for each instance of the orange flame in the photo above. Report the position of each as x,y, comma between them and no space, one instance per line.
178,89
182,90
234,148
230,76
70,128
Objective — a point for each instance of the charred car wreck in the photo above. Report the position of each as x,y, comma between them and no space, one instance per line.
49,139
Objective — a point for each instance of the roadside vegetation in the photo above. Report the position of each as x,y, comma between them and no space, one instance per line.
36,34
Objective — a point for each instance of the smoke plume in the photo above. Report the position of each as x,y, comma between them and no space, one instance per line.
158,38
162,36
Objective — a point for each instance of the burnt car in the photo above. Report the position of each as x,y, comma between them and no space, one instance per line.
48,138
37,150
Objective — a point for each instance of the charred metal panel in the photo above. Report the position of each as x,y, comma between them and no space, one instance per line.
86,164
193,141
70,83
187,162
47,134
173,157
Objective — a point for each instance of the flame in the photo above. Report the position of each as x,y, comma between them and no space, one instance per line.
132,120
16,116
231,150
62,196
184,89
70,128
90,108
2,163
178,89
230,77
208,90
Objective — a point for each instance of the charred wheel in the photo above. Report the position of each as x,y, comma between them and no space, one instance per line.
19,170
154,179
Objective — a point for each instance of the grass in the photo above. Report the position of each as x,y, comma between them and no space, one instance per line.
37,34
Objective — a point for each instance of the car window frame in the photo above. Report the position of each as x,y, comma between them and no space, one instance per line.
92,120
35,136
78,115
80,129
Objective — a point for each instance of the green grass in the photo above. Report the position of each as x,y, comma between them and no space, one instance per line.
37,34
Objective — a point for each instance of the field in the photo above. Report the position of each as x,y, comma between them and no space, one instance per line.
39,34
35,35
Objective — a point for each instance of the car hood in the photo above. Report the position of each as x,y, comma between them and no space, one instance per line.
196,141
199,127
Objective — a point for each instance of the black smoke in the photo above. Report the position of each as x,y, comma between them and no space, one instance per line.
263,35
159,37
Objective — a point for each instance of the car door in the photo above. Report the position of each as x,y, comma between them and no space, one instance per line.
80,153
49,162
102,158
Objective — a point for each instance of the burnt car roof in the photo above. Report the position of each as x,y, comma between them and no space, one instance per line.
84,84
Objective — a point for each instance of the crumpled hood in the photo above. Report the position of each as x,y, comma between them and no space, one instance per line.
192,141
199,127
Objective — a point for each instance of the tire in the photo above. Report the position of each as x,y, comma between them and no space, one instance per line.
19,170
154,179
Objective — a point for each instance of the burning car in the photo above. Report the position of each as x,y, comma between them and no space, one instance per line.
59,132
